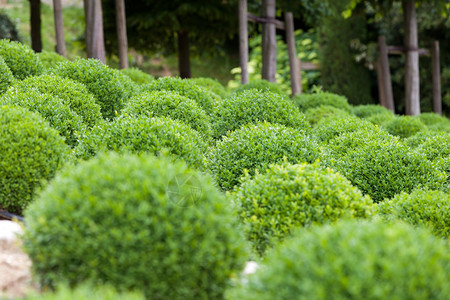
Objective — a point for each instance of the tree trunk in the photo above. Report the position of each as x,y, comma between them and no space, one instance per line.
95,43
59,28
412,87
243,40
184,64
269,42
35,23
296,84
122,34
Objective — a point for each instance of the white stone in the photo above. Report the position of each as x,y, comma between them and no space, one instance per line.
9,230
250,268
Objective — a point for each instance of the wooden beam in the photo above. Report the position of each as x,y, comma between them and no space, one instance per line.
306,66
399,50
243,40
256,19
437,97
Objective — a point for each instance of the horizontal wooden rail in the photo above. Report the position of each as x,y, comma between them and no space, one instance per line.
309,66
400,50
278,24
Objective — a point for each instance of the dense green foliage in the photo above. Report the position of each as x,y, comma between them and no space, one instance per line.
135,222
315,114
262,85
422,207
71,93
6,76
138,76
187,88
21,60
435,146
50,59
53,109
170,104
8,29
284,197
405,126
30,153
369,110
381,119
256,147
435,122
102,82
307,101
144,134
253,106
212,85
353,260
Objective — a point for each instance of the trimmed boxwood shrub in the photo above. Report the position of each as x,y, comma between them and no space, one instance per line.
432,118
58,114
422,207
256,147
381,119
261,85
187,88
50,59
135,222
144,134
20,58
170,104
212,85
381,166
102,82
315,114
284,197
30,153
353,260
435,146
71,93
416,140
6,76
138,76
369,110
253,106
306,101
405,126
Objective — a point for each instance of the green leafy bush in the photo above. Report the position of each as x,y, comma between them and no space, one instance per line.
58,114
170,104
435,122
138,76
422,207
262,85
381,119
381,166
315,114
50,59
21,59
6,76
71,93
353,260
416,140
30,153
8,29
187,88
284,197
144,134
212,85
102,82
369,110
253,106
435,146
256,147
405,126
306,101
135,222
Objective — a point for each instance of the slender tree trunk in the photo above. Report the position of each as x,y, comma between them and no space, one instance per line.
35,23
95,43
412,87
243,40
184,64
122,34
59,28
269,42
296,84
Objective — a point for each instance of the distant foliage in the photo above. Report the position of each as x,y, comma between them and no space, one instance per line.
315,114
307,101
369,110
212,85
138,76
262,85
21,59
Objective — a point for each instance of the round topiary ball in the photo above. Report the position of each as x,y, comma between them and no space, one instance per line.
353,260
70,92
381,119
30,153
315,114
261,85
135,222
6,76
284,197
405,126
211,85
170,104
254,106
430,119
255,147
50,59
143,134
59,115
306,101
422,207
102,82
369,110
138,76
21,59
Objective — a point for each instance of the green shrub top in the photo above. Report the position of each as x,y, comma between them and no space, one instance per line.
102,82
405,126
253,106
262,85
256,147
422,207
6,76
137,75
306,101
432,118
435,146
20,58
71,93
30,153
144,134
135,222
50,59
315,114
170,104
369,110
212,85
284,197
187,88
353,260
381,119
58,114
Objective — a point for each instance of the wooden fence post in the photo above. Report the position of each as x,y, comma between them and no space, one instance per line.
269,41
296,87
437,98
243,40
384,76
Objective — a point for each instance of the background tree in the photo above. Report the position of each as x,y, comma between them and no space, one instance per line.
122,40
95,45
59,28
35,25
